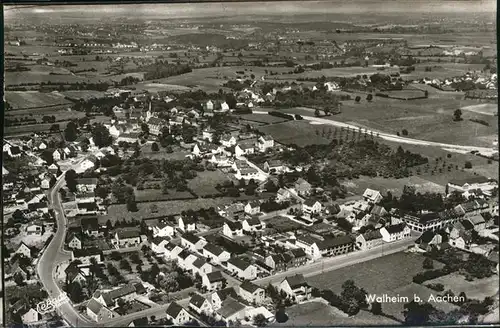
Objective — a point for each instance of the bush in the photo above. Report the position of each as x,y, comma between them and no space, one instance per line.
468,165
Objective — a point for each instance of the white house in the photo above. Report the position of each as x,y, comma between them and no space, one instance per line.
232,229
200,304
213,280
163,229
242,149
24,250
283,195
215,253
252,207
172,251
159,245
242,268
311,206
177,314
264,143
296,287
372,196
201,267
220,296
186,224
30,315
395,232
228,140
98,312
193,242
252,293
253,225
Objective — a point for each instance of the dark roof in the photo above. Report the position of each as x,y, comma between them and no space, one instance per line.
183,254
128,233
467,225
94,306
90,224
88,206
239,263
298,252
249,286
122,291
174,309
87,252
226,292
141,322
310,202
333,242
395,228
215,276
197,300
426,237
229,307
139,288
253,221
193,239
234,225
296,281
214,249
199,262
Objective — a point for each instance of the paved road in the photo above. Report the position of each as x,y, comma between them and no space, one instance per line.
394,138
54,255
337,262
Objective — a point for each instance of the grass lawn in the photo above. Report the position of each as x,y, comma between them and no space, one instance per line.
375,276
177,154
83,94
280,223
300,133
477,289
31,128
120,212
157,195
204,183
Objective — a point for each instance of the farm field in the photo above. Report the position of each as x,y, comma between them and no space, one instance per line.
405,93
300,133
486,109
441,70
83,94
204,183
283,224
436,93
477,289
426,119
375,276
32,128
34,99
331,72
177,154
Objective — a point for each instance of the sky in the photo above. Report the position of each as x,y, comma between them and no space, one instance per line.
188,10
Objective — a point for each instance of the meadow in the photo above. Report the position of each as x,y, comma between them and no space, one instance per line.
204,183
477,289
300,133
34,99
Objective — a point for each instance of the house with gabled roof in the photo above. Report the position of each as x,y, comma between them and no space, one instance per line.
85,255
29,315
185,260
369,239
372,196
253,225
232,229
215,253
25,250
252,293
200,304
172,251
228,140
163,229
242,268
98,312
74,241
90,226
295,287
186,224
477,221
244,148
252,207
177,314
221,295
127,237
193,242
395,232
159,244
302,187
232,310
311,206
213,280
264,143
201,267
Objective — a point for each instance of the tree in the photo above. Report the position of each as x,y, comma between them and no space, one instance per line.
428,263
154,147
19,279
52,181
376,308
369,97
404,132
70,178
132,204
357,99
281,315
75,292
125,265
417,314
259,320
55,128
101,136
457,115
71,131
317,113
468,165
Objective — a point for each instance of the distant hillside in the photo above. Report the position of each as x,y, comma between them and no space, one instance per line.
209,39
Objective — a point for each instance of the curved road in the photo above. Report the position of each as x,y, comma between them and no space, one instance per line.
394,138
53,255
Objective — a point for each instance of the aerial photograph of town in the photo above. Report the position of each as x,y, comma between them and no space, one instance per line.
250,164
